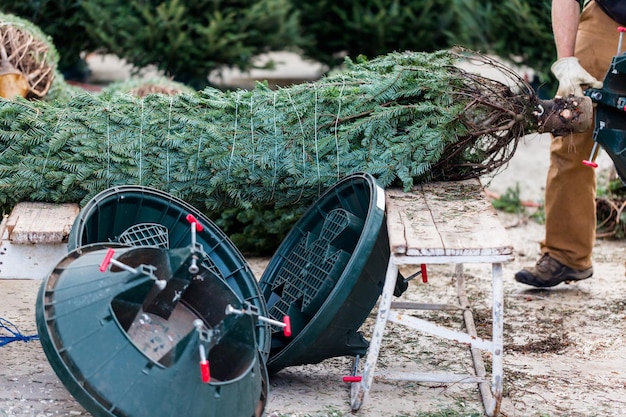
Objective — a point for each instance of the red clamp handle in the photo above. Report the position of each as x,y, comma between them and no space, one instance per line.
107,260
590,163
287,328
205,372
621,29
352,378
424,273
191,219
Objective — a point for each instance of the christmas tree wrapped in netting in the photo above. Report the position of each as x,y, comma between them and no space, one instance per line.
403,117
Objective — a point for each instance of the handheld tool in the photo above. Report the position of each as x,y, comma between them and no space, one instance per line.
610,121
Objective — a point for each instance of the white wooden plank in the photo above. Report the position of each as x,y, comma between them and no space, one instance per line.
409,220
466,220
445,219
31,222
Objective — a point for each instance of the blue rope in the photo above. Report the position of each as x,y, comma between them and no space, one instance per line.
15,335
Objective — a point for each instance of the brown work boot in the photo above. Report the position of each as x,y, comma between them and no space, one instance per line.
549,272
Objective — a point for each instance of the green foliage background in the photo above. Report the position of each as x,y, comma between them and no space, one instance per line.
519,30
350,28
185,38
189,38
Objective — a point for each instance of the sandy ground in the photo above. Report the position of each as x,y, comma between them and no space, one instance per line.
564,347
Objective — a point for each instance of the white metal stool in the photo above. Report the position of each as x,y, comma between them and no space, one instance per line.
442,223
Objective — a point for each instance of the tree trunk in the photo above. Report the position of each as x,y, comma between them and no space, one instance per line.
12,82
564,115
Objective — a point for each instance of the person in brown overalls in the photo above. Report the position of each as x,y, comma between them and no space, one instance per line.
585,43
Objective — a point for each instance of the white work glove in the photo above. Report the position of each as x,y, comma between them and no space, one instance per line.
572,77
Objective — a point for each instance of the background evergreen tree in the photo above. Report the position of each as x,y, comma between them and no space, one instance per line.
186,39
336,29
189,38
519,30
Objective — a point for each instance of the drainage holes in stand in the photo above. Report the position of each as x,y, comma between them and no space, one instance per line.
146,234
310,271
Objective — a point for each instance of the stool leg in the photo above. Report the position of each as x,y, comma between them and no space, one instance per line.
359,390
491,395
497,373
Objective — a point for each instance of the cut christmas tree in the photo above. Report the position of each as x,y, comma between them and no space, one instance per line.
403,117
28,59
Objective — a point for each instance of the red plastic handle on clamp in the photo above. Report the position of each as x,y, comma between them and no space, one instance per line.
287,329
352,378
424,273
107,260
590,163
621,29
191,219
205,371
